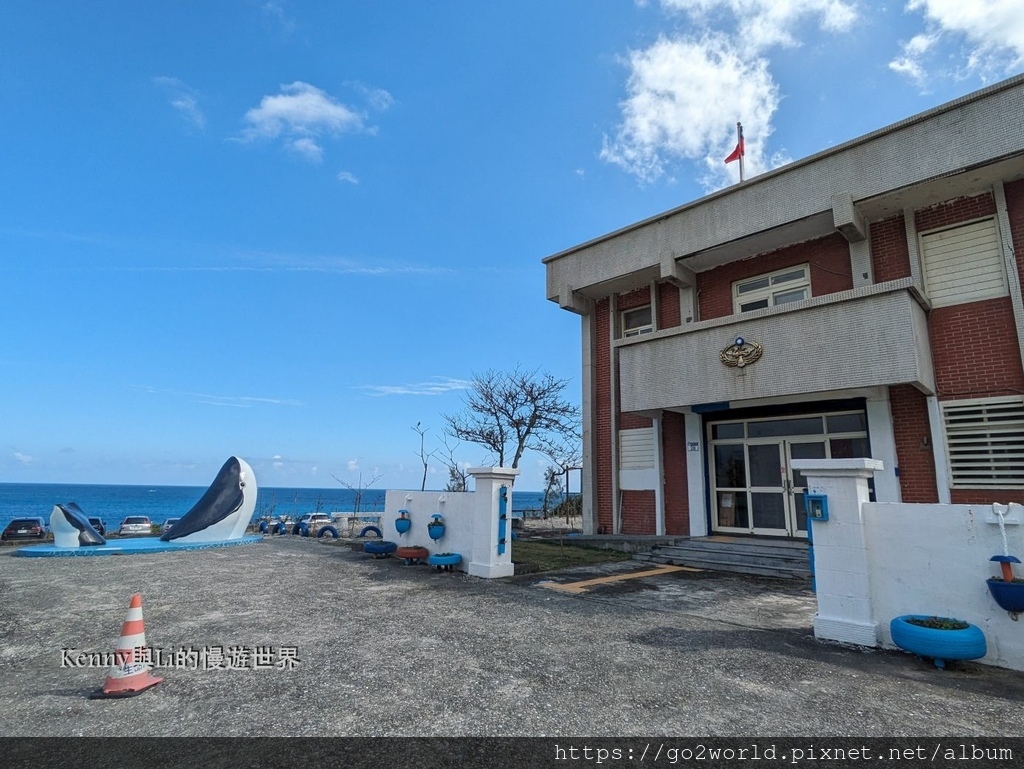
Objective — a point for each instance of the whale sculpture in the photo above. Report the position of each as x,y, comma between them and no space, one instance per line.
71,527
224,511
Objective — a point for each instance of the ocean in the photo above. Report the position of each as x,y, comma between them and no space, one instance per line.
114,503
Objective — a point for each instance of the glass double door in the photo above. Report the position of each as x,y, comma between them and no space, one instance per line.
757,491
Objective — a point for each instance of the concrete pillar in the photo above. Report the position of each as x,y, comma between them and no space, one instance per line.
841,575
485,560
695,475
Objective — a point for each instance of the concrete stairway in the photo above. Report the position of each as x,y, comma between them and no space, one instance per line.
782,558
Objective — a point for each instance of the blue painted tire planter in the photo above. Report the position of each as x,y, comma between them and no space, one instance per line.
939,645
444,561
374,529
264,527
280,529
1009,595
380,549
327,531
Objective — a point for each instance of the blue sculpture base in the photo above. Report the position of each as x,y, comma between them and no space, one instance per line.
135,546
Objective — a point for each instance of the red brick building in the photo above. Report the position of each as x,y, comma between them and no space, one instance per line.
865,301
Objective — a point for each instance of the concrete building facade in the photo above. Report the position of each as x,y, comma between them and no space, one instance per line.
862,302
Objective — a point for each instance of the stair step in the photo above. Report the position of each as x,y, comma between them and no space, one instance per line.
737,547
781,572
783,559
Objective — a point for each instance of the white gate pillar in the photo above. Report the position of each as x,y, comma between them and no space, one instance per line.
840,565
485,559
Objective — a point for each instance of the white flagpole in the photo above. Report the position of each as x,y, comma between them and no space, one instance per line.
739,143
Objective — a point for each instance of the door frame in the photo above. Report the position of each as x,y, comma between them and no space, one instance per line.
786,487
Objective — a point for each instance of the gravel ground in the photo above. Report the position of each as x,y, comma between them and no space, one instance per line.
388,649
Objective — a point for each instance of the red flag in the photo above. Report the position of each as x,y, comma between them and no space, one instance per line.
736,153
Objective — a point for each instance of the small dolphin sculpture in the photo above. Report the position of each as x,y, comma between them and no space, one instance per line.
225,509
71,527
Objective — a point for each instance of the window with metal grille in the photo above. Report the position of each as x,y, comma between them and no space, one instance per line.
985,440
638,321
792,284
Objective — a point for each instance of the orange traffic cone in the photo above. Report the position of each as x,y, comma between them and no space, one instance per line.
129,675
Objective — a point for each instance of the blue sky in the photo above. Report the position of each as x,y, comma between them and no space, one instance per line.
292,230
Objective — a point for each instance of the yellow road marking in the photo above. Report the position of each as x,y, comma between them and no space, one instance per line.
581,587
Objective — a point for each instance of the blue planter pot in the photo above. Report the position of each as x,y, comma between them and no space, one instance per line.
1009,595
402,525
435,530
938,645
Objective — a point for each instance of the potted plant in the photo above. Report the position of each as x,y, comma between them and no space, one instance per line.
403,522
938,638
444,561
1006,590
436,526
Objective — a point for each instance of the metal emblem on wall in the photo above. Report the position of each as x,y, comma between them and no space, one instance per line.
741,353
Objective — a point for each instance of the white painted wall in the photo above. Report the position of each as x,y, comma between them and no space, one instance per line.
471,522
457,508
875,561
934,559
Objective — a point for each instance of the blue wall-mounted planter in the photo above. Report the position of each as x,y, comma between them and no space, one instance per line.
435,529
1009,595
403,523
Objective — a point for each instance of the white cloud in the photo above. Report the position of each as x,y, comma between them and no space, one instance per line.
764,23
183,99
353,465
275,11
236,401
989,35
303,115
347,176
911,63
308,148
684,99
685,93
25,459
438,386
278,462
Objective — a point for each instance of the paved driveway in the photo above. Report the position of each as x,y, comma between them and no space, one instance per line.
387,649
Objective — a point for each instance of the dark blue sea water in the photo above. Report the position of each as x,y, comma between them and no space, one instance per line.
114,503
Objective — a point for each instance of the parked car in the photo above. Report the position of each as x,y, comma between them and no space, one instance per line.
26,528
168,524
99,524
135,525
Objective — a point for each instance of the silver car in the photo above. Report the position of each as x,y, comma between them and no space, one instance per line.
135,525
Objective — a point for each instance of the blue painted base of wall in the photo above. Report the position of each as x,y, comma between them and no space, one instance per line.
136,546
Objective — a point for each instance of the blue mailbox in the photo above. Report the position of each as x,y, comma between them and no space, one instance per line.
816,506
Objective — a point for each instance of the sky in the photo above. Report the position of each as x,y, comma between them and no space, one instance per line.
293,230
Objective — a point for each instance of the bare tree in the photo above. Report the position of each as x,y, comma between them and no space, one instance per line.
566,452
423,455
358,489
510,412
457,480
552,487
